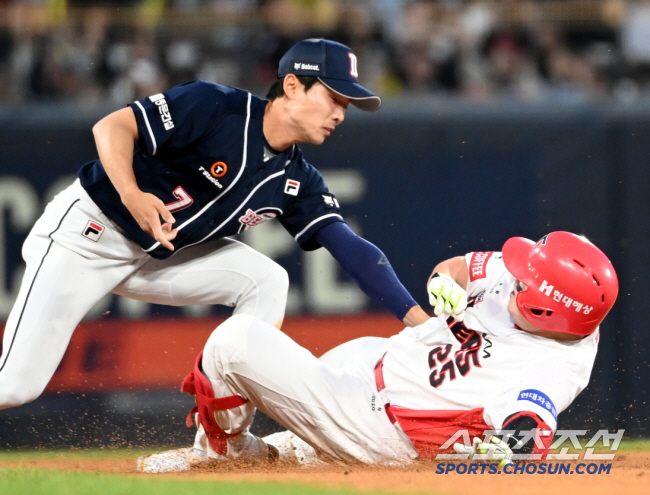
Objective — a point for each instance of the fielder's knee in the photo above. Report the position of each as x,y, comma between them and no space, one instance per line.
272,295
265,296
276,280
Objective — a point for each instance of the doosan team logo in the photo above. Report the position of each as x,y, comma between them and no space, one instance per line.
253,218
331,201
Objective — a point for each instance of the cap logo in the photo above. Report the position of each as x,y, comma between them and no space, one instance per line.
353,65
304,66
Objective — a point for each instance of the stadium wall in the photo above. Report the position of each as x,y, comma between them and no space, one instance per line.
424,181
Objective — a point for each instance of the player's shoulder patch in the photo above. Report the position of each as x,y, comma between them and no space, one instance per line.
164,112
478,263
331,201
539,398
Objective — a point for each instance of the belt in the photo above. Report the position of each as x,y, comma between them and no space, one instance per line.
381,386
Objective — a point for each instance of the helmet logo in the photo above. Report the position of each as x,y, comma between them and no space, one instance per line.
550,291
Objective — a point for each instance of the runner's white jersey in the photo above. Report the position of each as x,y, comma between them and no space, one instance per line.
486,362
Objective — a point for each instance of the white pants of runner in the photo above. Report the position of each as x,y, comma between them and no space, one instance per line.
67,273
331,402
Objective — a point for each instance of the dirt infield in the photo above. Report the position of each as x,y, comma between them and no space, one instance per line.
629,474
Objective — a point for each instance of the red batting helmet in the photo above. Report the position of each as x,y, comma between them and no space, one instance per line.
571,283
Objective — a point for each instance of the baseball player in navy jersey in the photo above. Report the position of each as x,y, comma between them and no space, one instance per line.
178,172
513,346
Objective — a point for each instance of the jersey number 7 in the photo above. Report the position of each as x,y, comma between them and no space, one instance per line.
183,200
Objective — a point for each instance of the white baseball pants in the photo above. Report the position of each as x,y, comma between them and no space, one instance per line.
331,402
67,273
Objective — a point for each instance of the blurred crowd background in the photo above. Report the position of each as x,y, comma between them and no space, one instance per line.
533,51
507,118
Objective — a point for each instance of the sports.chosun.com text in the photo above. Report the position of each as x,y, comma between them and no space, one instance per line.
524,468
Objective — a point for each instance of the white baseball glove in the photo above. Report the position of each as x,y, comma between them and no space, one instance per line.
494,450
446,296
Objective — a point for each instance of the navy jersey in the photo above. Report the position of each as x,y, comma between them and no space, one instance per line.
201,151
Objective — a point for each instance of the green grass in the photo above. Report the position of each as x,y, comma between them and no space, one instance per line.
74,454
626,445
29,481
52,482
639,444
26,480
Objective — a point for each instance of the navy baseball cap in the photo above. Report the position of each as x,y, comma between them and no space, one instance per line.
334,64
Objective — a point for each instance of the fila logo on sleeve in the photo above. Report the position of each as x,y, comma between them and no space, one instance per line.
93,230
292,187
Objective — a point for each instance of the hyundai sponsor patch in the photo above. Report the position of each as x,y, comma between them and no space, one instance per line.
539,398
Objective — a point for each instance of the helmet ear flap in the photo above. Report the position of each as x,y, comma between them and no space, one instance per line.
541,312
534,310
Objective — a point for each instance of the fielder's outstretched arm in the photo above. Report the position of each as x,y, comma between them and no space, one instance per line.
115,137
369,268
